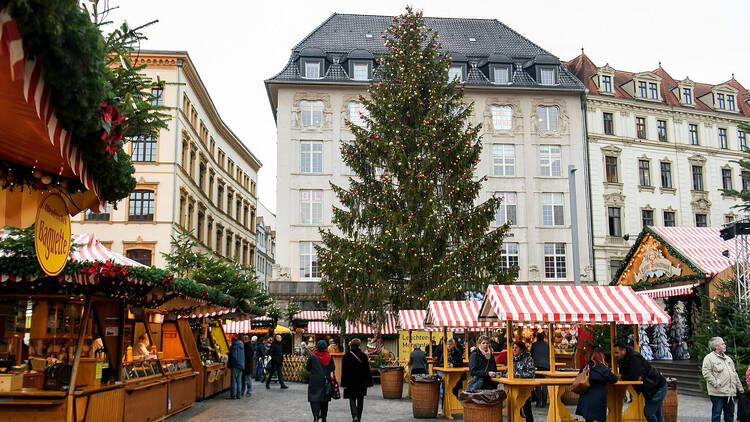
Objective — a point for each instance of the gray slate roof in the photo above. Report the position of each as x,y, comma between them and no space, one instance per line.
341,33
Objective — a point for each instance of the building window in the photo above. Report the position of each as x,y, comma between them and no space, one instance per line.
311,157
701,220
503,160
644,172
652,90
687,96
202,175
728,218
308,261
723,143
311,206
745,180
357,113
360,71
647,218
455,73
219,238
608,124
615,222
610,164
693,129
312,113
157,96
506,212
666,175
550,160
547,118
552,209
501,74
726,178
97,216
547,76
509,256
144,149
502,117
614,267
730,102
642,89
661,130
219,196
142,256
141,206
720,102
554,261
742,137
199,227
606,83
669,218
640,127
698,178
312,70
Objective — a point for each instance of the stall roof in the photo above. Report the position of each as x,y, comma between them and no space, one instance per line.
238,327
311,316
703,246
322,327
582,304
456,314
209,313
359,327
89,248
413,319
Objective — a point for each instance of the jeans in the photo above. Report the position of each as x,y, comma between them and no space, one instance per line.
442,384
258,369
527,411
719,404
235,388
541,391
356,404
247,383
319,409
652,409
275,367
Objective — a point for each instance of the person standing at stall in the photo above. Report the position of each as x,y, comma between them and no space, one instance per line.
418,361
722,380
482,366
277,357
456,360
634,367
355,378
592,403
247,372
523,367
321,368
260,354
237,364
540,354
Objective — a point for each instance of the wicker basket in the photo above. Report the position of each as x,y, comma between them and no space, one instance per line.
425,397
483,413
669,405
392,383
569,398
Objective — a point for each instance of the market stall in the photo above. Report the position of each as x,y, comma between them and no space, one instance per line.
567,304
208,349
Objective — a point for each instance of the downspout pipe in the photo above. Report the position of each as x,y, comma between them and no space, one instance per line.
587,184
176,146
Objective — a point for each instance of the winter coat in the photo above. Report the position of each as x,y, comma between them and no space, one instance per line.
479,366
236,355
523,366
316,386
634,367
540,353
260,350
418,360
355,374
592,403
455,357
721,376
276,352
249,357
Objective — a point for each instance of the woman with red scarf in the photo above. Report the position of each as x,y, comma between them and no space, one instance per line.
321,368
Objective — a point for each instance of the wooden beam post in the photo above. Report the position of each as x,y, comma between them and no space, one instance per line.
612,336
445,347
551,345
509,345
636,342
77,357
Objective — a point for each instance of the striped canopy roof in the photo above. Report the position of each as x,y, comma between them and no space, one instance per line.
311,316
89,248
456,314
359,327
322,327
413,319
238,327
583,304
703,246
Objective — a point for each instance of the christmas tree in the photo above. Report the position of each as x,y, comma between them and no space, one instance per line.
661,343
679,333
411,227
643,340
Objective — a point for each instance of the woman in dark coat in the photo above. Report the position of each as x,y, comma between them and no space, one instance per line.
321,368
355,378
592,403
482,366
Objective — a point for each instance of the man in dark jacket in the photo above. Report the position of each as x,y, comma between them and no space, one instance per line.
237,364
634,367
247,373
418,361
260,354
456,360
540,354
277,356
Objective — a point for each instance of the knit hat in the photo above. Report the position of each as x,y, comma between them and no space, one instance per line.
322,344
254,338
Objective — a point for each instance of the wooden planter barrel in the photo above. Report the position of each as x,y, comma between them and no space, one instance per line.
392,383
669,405
483,413
425,397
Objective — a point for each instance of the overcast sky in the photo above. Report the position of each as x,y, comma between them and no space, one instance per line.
236,45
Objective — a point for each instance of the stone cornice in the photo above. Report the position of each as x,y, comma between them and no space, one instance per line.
685,112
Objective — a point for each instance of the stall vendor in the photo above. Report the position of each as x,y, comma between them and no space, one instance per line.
141,348
375,345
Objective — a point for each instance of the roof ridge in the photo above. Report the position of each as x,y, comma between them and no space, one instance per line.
314,30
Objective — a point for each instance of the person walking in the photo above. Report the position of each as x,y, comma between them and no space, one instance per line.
634,367
260,354
277,358
722,381
482,366
523,367
418,361
236,363
355,378
540,354
321,368
247,372
592,403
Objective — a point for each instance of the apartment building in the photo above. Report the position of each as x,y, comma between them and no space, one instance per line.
196,175
265,241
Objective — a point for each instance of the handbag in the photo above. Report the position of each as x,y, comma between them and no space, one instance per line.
581,383
336,392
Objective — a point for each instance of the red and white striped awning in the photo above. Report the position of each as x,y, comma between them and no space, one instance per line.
311,316
88,248
322,327
703,246
237,327
209,314
358,327
456,314
584,304
669,291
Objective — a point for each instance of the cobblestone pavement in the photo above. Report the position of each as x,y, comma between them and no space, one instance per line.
278,405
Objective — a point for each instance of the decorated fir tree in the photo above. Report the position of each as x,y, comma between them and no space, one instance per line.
412,228
661,343
643,341
679,333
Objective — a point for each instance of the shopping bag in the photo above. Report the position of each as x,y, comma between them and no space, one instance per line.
336,394
581,383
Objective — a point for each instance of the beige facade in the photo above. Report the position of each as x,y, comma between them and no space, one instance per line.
197,175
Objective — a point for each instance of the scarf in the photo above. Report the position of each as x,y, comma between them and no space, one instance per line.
487,354
323,355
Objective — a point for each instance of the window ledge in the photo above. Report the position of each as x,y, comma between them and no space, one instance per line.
642,188
668,190
615,185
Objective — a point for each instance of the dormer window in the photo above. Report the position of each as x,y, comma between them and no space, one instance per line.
606,83
455,72
653,90
547,76
501,74
687,96
730,102
642,89
720,101
360,71
312,69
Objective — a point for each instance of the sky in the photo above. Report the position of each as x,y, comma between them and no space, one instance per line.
236,45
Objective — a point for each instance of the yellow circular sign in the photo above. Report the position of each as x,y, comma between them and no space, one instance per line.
52,234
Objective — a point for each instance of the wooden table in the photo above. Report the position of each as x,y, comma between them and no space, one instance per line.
451,376
519,390
616,400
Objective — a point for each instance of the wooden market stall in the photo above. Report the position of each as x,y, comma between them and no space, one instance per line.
317,328
584,305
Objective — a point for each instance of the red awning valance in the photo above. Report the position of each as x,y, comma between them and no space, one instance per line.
456,314
359,327
669,291
237,327
311,316
322,327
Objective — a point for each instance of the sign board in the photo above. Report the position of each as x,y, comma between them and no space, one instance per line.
112,327
422,338
52,234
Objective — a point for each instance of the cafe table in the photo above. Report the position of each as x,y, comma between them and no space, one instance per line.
451,376
616,400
